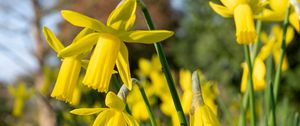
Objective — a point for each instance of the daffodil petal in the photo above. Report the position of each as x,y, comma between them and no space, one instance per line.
87,111
123,17
117,120
145,36
294,21
103,118
113,101
289,35
221,10
130,120
259,74
82,33
80,46
123,66
81,20
229,3
55,44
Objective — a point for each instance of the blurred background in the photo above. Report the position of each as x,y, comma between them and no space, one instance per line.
202,40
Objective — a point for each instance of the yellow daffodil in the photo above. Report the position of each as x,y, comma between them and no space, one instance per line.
200,113
146,66
110,48
20,94
70,67
272,44
258,75
114,115
243,12
278,11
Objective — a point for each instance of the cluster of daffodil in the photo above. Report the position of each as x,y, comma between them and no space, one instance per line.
156,88
98,48
255,73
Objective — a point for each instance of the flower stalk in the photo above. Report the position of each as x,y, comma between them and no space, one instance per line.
165,67
146,101
250,85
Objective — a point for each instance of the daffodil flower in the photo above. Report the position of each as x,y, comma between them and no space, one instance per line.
20,94
114,115
110,48
70,67
185,81
243,12
272,44
200,113
277,12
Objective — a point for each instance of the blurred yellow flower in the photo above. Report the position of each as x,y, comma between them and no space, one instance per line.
243,12
114,115
272,44
258,75
277,12
20,93
69,69
110,48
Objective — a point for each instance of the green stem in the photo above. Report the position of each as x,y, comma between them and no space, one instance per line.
257,40
165,66
250,85
271,100
282,52
223,107
146,101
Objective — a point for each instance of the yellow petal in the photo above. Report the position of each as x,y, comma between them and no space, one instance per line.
144,36
266,50
81,20
289,35
87,111
103,118
102,62
221,10
203,116
80,46
294,21
123,17
279,5
245,30
123,66
82,33
67,79
259,74
130,120
116,120
229,3
54,43
113,101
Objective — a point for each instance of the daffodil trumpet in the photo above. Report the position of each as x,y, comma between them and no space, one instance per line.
108,40
70,68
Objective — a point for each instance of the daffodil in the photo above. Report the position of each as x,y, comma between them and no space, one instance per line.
109,46
70,67
146,66
20,93
200,113
114,115
243,12
258,75
272,44
277,12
